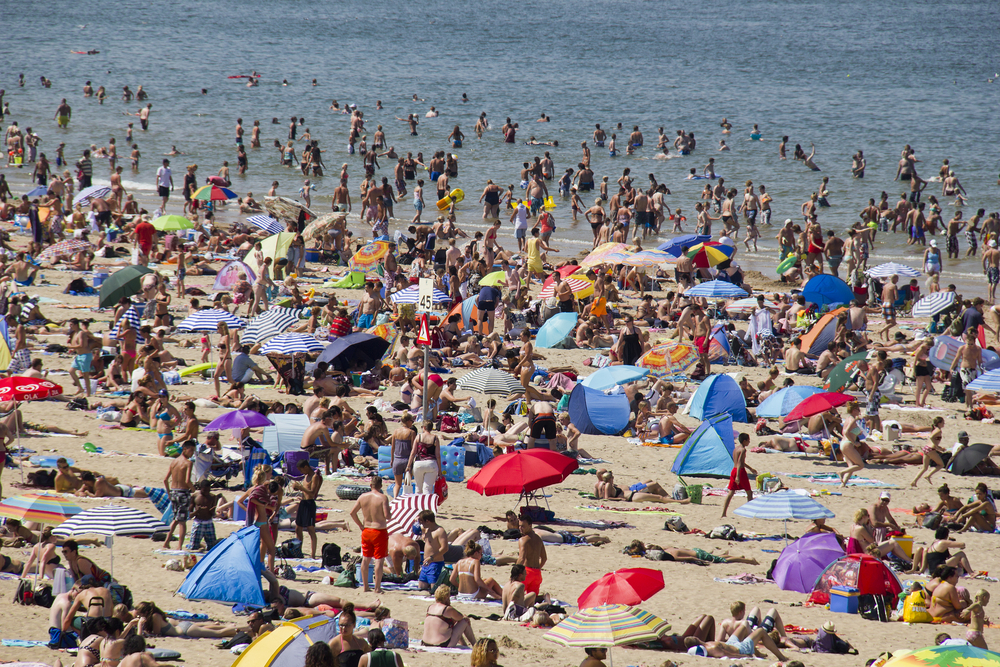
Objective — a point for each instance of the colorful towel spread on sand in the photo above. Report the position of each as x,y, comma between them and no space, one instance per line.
629,510
744,579
182,615
600,524
833,478
23,643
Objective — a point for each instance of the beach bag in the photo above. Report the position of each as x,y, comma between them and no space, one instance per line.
331,555
397,633
44,597
346,579
874,607
449,424
59,639
537,514
915,608
725,532
24,594
441,489
290,549
675,524
932,520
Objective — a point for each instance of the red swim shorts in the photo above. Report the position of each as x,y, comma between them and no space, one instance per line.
701,342
740,482
374,543
532,580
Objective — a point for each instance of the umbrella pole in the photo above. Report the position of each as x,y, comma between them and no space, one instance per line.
17,429
426,362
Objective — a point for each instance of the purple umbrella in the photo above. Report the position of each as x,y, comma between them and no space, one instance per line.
802,561
239,419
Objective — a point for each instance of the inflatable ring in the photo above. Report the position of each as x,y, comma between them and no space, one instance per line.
787,263
351,491
309,295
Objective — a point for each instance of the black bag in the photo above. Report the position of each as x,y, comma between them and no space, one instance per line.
290,549
331,555
239,638
44,597
874,607
24,594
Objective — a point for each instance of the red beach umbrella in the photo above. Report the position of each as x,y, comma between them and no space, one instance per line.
522,471
817,403
18,388
628,586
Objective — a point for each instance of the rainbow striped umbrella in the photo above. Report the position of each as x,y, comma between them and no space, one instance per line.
669,358
582,288
607,625
934,656
389,332
212,192
369,256
39,507
710,253
606,253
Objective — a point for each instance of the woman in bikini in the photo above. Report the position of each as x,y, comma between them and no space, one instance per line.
347,649
158,624
135,411
861,539
979,515
469,580
946,603
642,492
444,626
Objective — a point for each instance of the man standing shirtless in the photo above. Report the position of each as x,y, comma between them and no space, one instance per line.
370,304
305,517
971,357
374,508
435,547
738,478
531,554
178,485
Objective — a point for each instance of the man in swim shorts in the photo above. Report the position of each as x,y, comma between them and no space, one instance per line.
178,485
531,554
370,304
435,547
738,479
63,114
374,508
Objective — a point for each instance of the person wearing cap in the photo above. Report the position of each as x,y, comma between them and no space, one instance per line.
932,259
882,520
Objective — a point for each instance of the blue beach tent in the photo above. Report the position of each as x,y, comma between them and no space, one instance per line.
719,394
827,290
596,413
230,572
709,450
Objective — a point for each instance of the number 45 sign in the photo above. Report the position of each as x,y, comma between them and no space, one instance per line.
425,300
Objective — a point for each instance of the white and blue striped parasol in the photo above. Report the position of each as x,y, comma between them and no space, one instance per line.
132,317
84,196
208,321
111,520
716,289
412,295
890,269
932,304
267,223
271,322
290,343
782,506
989,381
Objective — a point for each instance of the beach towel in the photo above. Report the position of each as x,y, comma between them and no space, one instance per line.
415,645
629,510
23,643
744,579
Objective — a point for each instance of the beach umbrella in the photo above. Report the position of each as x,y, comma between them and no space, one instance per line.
649,258
802,561
612,376
988,381
238,419
783,401
171,223
276,247
284,208
842,373
606,253
132,317
122,283
84,196
111,520
44,508
387,331
932,304
523,471
290,343
318,228
606,626
555,329
271,322
817,403
369,256
710,253
412,295
956,655
359,349
670,358
65,248
267,223
494,279
748,306
674,246
628,586
288,643
405,509
37,191
581,287
968,458
783,505
19,389
213,192
890,269
208,321
716,289
490,381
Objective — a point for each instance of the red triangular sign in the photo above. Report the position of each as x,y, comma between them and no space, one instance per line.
424,337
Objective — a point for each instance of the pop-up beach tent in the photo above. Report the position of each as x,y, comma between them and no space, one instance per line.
596,413
718,394
709,450
230,572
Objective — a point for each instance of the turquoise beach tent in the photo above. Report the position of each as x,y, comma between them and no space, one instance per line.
230,572
827,290
596,413
709,450
719,394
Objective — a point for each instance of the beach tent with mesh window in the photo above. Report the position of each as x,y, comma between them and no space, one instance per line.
868,574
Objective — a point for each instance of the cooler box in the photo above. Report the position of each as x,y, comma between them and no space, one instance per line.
844,599
313,254
99,278
906,544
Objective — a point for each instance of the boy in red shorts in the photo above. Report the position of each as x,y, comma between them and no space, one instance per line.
738,478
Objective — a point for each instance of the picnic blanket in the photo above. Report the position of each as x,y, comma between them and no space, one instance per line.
629,510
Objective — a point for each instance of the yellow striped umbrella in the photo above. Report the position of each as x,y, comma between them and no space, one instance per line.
39,507
606,253
369,256
607,625
670,358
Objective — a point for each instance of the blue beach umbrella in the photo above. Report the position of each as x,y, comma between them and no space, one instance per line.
986,382
676,244
783,401
784,505
715,289
611,376
555,329
37,191
267,223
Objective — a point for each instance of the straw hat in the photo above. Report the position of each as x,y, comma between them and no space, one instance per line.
830,627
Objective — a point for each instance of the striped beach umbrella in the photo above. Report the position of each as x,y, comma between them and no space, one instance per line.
111,520
748,306
284,208
267,223
932,304
65,248
171,223
271,322
649,258
387,331
989,381
606,253
582,288
405,510
412,295
290,343
369,256
890,269
716,289
84,196
208,320
607,625
710,253
490,381
782,506
132,317
212,192
671,358
39,507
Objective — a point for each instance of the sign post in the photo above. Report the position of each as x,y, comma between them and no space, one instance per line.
424,338
425,295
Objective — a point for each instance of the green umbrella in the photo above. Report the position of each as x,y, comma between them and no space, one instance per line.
494,279
172,223
122,283
841,374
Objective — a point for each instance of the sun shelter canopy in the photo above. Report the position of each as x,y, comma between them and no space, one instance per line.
596,413
285,435
719,394
708,452
230,572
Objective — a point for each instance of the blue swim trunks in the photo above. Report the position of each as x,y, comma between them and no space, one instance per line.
26,283
84,362
365,321
746,646
429,574
435,175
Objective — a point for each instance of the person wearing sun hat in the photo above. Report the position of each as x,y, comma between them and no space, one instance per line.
882,518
